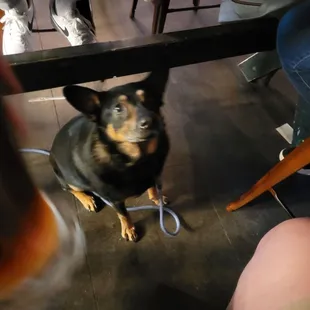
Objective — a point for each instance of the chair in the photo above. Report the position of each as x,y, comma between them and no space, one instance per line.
293,162
261,66
161,9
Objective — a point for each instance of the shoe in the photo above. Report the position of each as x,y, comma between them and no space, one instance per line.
17,31
285,152
76,28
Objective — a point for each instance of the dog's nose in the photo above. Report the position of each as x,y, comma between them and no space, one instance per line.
145,123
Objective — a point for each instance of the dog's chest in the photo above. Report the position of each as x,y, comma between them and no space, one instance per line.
130,182
133,176
125,170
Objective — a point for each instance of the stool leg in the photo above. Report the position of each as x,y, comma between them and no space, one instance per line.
155,18
293,162
196,3
162,15
133,8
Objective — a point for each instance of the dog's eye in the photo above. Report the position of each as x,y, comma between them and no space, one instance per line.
118,108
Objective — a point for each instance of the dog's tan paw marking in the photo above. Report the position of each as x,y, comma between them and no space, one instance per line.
88,202
157,201
129,234
91,206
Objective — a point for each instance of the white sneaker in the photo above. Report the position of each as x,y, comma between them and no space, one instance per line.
77,29
16,31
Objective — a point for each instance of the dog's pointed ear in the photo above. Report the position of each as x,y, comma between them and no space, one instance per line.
83,99
157,81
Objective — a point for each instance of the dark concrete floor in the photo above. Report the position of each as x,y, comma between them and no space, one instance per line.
223,138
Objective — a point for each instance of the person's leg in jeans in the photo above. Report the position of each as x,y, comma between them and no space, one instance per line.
278,275
18,18
69,22
293,45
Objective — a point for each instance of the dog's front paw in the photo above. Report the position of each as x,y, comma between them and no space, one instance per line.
129,234
165,201
86,200
154,197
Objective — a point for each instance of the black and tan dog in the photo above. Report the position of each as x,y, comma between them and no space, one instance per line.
116,149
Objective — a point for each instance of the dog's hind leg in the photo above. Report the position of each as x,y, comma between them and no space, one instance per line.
128,228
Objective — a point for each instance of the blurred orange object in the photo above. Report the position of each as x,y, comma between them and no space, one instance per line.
40,247
28,232
27,252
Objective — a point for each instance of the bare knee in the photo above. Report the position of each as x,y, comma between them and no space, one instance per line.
294,232
280,263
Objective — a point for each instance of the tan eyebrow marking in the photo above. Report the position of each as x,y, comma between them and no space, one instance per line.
95,99
122,98
140,94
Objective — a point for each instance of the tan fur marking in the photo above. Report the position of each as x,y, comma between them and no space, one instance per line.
122,99
153,196
152,146
141,95
128,229
130,149
87,201
100,152
74,188
121,134
152,193
95,99
112,134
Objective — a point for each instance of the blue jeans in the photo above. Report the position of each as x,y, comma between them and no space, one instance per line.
293,44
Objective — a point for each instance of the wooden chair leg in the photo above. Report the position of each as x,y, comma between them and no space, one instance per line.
157,8
162,15
133,8
293,162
